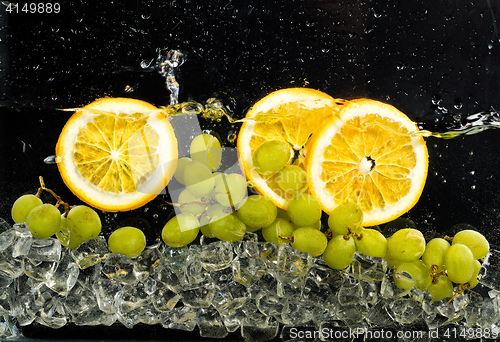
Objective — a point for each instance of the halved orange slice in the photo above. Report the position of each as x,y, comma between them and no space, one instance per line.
117,154
291,115
368,155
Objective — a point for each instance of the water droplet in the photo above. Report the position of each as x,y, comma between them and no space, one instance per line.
145,63
473,187
129,89
471,153
472,172
54,97
232,136
52,159
436,99
155,216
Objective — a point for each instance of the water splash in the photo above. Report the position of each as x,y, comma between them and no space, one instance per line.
472,124
166,65
52,159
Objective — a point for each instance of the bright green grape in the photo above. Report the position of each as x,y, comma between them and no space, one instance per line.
65,237
346,216
459,263
371,242
406,245
435,252
272,156
84,223
440,287
192,204
230,189
44,221
179,171
418,271
206,149
309,240
129,241
473,280
198,179
22,207
282,214
213,210
317,225
339,251
292,179
476,242
180,230
227,228
257,212
278,231
304,210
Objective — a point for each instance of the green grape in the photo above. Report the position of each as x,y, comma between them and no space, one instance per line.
22,207
129,241
179,171
292,179
44,221
473,280
309,240
84,223
304,210
406,244
206,149
459,263
213,210
418,271
180,230
272,156
192,204
198,179
257,212
435,252
397,224
440,287
339,251
346,216
230,189
278,231
390,261
476,242
65,237
227,228
371,242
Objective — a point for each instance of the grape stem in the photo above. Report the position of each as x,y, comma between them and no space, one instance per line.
56,196
461,289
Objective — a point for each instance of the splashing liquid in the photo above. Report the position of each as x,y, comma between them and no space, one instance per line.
166,64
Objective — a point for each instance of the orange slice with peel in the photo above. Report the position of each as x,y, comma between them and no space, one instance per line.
368,155
117,154
291,115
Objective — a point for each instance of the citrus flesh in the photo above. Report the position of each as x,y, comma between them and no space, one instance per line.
117,154
368,155
289,115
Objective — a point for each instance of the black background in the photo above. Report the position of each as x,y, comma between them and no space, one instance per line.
435,61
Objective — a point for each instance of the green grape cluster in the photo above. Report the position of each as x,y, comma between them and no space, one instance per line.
210,198
348,236
76,225
437,265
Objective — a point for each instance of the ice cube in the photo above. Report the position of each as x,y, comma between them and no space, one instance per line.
406,310
216,256
65,276
210,324
105,290
489,274
259,327
90,252
45,250
146,263
120,268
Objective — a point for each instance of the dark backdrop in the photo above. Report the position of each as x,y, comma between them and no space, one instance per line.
437,61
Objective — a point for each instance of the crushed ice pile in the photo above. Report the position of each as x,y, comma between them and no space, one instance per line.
219,287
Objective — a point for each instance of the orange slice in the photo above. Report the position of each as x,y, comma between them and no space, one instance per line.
291,115
117,154
370,156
